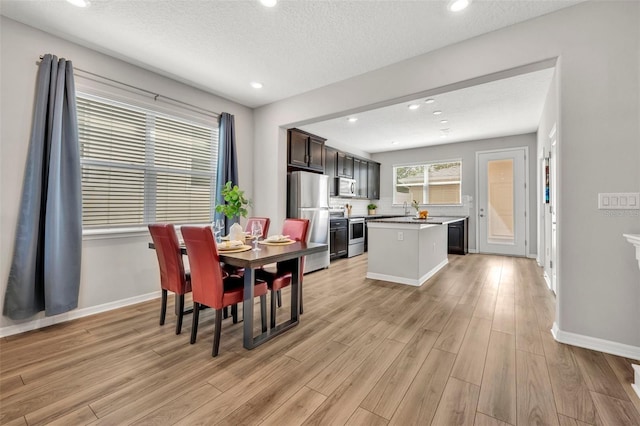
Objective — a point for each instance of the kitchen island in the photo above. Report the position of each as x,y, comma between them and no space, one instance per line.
407,250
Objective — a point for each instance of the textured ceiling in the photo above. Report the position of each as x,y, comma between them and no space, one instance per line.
297,46
504,107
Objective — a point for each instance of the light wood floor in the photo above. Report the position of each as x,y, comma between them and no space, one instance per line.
471,346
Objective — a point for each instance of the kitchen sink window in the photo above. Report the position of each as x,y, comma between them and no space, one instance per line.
437,183
140,166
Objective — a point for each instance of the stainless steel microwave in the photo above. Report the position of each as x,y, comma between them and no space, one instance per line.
346,187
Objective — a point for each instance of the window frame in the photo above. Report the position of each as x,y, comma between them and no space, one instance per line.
425,183
151,108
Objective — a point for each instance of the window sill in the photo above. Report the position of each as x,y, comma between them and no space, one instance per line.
137,232
110,233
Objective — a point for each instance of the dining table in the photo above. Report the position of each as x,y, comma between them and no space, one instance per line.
251,261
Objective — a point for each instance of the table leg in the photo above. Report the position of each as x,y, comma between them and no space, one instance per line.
247,308
295,291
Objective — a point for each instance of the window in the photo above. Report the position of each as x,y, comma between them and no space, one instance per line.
431,183
141,166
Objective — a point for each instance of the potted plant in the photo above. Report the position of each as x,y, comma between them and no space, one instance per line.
372,208
416,206
235,206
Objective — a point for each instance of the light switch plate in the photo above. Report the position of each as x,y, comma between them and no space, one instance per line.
619,201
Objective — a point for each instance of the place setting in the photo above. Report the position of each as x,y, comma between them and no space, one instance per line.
232,246
277,240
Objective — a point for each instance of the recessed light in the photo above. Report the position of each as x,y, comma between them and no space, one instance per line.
352,119
444,135
256,85
394,142
444,121
429,101
268,3
437,112
458,5
414,106
79,3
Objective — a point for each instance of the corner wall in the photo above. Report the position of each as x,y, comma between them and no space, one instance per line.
118,269
467,152
597,46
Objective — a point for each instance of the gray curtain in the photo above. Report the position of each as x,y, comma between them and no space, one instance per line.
45,269
227,163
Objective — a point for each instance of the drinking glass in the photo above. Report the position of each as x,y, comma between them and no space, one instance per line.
256,233
218,226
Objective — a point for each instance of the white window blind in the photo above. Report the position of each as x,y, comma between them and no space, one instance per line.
140,166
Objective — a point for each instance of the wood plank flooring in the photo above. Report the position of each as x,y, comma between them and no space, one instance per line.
470,347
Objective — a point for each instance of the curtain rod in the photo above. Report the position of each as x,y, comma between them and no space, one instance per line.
155,95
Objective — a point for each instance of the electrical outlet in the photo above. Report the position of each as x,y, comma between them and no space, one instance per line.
400,236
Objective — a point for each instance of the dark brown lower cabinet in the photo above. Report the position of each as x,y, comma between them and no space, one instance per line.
459,237
338,238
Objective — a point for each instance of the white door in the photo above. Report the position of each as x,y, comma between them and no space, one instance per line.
502,202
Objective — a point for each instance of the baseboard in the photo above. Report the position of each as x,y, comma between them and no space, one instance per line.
407,281
636,385
594,343
547,280
532,256
473,251
75,314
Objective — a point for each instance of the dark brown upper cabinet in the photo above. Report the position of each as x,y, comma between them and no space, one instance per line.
330,164
345,165
373,179
306,151
360,175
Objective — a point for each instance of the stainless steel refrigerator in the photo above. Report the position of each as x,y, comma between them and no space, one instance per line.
309,199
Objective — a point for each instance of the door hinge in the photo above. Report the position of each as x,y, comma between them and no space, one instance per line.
525,242
551,264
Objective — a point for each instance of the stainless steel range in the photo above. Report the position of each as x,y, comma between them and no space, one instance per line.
356,236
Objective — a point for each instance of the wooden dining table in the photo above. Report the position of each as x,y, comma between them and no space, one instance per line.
251,261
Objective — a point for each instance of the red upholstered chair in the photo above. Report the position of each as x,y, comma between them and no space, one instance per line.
264,221
172,275
296,229
210,286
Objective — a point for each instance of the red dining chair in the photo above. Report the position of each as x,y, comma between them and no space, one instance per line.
210,286
172,275
297,230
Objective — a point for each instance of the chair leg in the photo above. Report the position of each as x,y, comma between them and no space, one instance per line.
226,312
180,313
216,336
163,307
273,309
263,312
234,313
300,289
279,298
194,324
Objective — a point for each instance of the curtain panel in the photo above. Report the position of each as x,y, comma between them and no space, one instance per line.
45,268
227,163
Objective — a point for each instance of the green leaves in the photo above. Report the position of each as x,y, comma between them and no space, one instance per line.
235,202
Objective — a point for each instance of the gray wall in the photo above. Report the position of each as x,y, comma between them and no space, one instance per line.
467,152
598,71
114,267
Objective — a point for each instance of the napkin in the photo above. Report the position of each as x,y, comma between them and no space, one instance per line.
277,238
227,245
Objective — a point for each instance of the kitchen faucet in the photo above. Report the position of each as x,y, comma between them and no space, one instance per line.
406,208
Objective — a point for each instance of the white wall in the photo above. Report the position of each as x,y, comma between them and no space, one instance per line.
598,92
466,151
116,268
548,120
